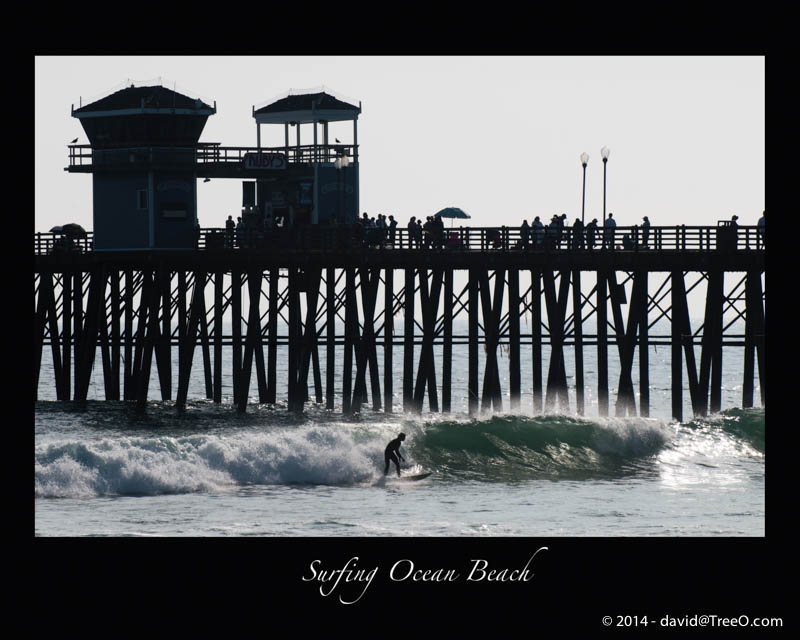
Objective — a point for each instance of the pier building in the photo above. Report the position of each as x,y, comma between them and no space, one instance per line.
142,147
145,157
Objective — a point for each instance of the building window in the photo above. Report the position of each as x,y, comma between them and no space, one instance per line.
173,213
141,199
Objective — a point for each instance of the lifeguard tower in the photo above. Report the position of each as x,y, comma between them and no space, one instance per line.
142,154
314,183
145,157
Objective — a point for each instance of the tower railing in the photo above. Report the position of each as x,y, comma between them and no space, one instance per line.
303,154
81,155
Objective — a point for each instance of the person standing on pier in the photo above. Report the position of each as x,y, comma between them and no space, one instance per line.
645,231
392,452
591,230
735,231
608,231
438,231
426,232
762,228
538,232
360,232
551,234
380,225
524,234
230,227
392,229
577,234
412,232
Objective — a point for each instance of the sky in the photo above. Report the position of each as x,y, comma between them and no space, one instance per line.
498,136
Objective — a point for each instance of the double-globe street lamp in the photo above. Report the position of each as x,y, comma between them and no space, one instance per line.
584,162
604,153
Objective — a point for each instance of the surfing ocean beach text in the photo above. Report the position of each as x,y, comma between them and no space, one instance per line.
350,582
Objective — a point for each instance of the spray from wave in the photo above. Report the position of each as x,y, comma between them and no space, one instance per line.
200,463
747,426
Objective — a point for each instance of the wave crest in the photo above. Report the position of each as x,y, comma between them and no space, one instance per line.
549,446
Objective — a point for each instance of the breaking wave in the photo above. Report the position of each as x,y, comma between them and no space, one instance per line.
496,448
507,447
200,463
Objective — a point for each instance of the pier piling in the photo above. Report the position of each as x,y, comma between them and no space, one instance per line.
137,309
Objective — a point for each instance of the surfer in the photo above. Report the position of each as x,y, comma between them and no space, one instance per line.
392,452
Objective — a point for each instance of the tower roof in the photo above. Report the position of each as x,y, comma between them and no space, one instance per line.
307,107
306,102
152,99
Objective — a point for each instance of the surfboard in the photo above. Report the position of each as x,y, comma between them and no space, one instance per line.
392,479
419,476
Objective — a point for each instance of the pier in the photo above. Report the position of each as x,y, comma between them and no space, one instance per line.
300,281
399,300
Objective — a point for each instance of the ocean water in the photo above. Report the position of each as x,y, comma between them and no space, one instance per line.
108,470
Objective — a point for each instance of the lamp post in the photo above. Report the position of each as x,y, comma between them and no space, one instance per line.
604,152
584,162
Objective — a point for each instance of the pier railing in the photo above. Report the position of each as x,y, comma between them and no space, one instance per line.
488,239
482,239
47,243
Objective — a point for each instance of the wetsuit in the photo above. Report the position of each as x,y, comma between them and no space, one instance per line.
391,454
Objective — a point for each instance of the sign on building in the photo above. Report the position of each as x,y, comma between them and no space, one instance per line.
269,161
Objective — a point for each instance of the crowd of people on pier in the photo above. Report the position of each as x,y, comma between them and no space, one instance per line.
556,234
381,231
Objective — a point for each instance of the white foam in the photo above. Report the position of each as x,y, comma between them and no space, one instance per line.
631,436
199,463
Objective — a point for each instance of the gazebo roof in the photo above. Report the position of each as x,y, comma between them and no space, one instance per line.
307,107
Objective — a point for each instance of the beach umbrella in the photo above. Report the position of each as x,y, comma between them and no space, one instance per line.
452,213
74,229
